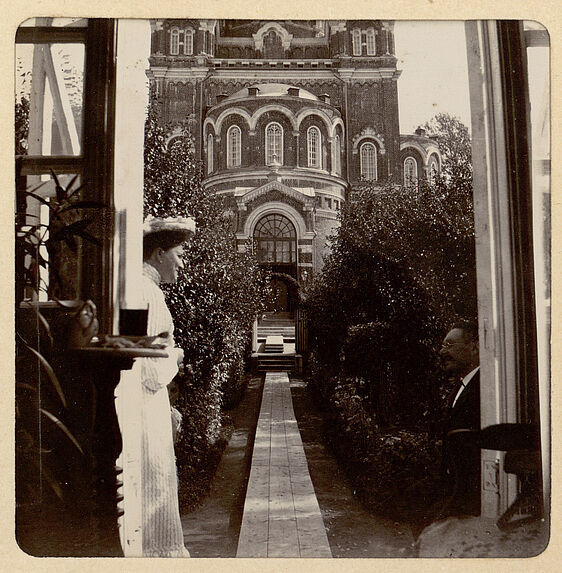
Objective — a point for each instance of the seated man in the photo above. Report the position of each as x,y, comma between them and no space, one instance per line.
461,463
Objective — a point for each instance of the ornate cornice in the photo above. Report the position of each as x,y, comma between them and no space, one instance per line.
286,38
368,133
303,195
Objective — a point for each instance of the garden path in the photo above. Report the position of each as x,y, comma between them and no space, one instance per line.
213,530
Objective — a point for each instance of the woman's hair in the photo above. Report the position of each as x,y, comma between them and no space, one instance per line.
165,239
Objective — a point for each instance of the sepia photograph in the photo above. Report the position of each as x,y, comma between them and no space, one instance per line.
282,288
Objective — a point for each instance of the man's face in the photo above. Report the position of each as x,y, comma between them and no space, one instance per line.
459,354
171,263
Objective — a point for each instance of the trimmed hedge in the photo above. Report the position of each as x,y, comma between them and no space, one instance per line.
400,272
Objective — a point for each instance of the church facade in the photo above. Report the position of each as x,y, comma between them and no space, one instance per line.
288,117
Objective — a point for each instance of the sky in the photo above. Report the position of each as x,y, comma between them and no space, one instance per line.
432,57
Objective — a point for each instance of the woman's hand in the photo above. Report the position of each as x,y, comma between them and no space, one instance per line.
179,355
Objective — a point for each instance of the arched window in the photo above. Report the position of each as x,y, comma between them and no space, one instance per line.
337,154
356,39
234,147
314,144
210,154
433,170
370,42
410,171
188,44
275,240
368,161
273,143
174,42
273,45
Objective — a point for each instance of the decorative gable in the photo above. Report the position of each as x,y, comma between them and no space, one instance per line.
304,196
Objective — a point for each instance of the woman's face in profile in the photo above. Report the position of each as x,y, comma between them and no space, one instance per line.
171,263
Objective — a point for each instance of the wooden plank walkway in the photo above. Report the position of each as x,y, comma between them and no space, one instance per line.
281,513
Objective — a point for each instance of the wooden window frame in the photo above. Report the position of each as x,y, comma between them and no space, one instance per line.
409,180
356,42
362,159
233,155
95,163
314,148
268,154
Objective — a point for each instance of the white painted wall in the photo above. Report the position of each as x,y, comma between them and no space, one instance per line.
133,50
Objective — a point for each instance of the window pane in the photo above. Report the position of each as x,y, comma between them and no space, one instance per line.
368,162
188,48
46,257
234,147
174,42
274,235
410,171
356,42
49,98
273,143
313,147
210,153
337,154
370,42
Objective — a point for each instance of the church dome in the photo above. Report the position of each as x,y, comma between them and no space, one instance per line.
271,90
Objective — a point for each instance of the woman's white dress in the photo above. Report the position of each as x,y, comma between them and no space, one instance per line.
162,529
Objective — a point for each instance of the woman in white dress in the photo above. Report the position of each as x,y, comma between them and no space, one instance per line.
162,530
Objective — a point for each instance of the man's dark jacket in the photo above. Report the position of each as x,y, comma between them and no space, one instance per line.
461,462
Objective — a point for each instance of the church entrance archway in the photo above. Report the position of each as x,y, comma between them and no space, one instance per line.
275,242
279,301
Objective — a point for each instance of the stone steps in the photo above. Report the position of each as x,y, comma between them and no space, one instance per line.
276,363
274,345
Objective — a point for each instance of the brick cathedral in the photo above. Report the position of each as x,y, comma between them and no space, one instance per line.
288,116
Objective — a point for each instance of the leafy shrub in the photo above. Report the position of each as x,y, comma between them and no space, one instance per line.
394,471
400,272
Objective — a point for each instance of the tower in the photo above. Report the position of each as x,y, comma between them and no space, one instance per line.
287,117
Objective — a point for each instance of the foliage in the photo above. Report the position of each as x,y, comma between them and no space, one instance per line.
394,471
41,403
403,258
453,140
401,270
21,125
58,238
217,296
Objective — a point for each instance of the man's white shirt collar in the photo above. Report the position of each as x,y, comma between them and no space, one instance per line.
464,384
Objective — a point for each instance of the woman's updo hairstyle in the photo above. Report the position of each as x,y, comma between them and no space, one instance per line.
165,234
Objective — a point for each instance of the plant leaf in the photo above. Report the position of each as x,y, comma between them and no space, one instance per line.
42,320
26,386
88,237
71,183
79,188
71,243
70,305
47,476
38,186
61,192
69,230
84,205
52,376
63,428
38,198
